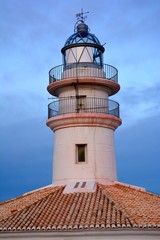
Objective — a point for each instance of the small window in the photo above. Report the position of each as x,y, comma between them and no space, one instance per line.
81,153
81,102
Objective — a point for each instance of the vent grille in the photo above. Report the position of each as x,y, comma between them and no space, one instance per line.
82,185
85,186
77,184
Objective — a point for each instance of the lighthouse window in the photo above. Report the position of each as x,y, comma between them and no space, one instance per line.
81,153
81,99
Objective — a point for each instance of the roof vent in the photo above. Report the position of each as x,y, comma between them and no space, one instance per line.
85,186
77,184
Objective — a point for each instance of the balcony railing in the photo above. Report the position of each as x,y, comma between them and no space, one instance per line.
83,104
75,70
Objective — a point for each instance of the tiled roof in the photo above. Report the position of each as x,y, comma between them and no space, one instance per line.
114,206
14,205
140,206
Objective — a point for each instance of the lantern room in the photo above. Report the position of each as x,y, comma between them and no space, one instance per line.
82,47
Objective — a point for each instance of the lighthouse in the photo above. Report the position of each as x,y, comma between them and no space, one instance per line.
82,116
85,200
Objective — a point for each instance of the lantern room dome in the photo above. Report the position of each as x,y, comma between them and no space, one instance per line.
82,35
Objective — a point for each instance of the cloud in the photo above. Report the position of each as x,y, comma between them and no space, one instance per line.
138,103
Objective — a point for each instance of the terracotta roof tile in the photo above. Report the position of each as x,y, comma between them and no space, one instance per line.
141,207
10,207
114,206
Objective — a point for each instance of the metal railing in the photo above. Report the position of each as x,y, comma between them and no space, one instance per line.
83,104
75,70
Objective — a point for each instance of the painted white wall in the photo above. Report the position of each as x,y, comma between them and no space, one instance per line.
87,90
83,72
100,156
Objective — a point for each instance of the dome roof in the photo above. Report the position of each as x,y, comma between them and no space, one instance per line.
82,35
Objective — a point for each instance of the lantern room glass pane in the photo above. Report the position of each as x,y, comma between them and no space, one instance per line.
79,54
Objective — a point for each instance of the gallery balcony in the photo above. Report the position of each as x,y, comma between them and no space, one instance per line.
83,104
83,70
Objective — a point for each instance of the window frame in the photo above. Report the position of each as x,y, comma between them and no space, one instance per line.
77,153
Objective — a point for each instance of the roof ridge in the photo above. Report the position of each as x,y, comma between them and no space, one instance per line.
130,186
134,187
117,205
25,194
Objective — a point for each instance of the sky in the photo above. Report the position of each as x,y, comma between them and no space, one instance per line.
32,33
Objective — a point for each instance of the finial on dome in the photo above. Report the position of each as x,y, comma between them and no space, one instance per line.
80,26
80,16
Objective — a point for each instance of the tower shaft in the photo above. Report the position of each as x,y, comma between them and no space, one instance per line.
82,116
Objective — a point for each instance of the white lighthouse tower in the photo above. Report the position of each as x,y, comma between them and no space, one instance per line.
82,116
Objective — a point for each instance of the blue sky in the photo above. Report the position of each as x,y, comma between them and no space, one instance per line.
32,33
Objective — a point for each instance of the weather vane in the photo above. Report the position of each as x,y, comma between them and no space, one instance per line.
81,16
